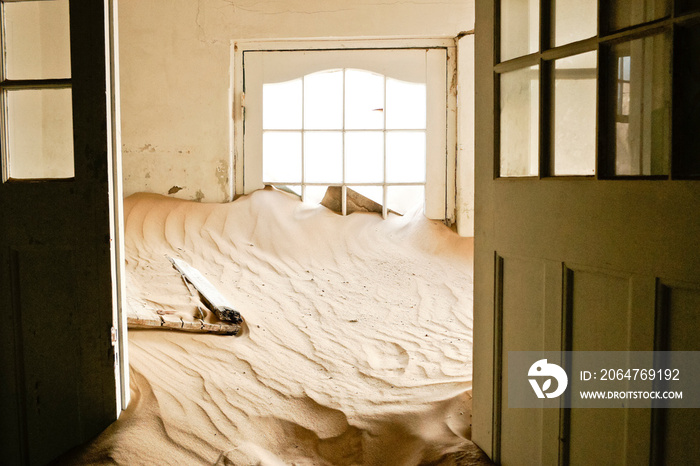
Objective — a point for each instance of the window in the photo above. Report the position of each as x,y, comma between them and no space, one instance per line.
594,99
331,122
348,128
35,91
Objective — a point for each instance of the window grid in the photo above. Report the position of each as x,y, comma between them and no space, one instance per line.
344,184
602,43
7,85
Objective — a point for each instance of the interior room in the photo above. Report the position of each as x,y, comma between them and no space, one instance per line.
316,232
354,347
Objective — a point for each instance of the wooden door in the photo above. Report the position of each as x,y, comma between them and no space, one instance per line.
56,305
601,254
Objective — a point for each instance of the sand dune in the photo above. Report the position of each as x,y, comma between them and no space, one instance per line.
356,347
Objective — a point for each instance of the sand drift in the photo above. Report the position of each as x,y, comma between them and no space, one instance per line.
355,347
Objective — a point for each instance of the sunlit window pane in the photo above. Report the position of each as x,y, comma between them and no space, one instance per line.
281,157
626,13
282,105
639,101
403,199
520,28
520,122
364,157
375,193
364,100
323,100
314,194
405,105
575,114
37,40
574,20
40,133
405,157
323,157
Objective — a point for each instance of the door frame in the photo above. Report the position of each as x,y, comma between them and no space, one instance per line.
117,256
237,95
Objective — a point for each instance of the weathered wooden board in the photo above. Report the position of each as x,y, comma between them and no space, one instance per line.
211,296
150,320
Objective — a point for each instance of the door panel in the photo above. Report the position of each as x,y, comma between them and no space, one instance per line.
58,386
46,307
523,318
600,310
679,319
682,319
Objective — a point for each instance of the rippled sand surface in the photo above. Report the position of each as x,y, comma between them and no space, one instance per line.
356,349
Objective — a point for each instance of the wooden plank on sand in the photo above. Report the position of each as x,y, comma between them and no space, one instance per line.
211,296
138,321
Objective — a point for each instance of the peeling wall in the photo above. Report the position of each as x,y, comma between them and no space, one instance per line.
175,74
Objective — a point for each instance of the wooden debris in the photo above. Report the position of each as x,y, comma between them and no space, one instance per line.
151,321
139,316
356,202
210,295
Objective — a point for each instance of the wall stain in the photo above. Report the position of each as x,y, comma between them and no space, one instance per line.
147,148
199,195
222,176
174,189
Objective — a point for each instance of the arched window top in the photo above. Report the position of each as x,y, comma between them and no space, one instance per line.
344,99
284,66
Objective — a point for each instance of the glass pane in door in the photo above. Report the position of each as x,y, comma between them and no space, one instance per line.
686,121
575,114
519,144
622,14
520,28
36,40
574,20
39,133
639,106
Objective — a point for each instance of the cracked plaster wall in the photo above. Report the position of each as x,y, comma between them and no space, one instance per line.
175,61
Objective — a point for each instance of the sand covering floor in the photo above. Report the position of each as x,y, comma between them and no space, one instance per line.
356,350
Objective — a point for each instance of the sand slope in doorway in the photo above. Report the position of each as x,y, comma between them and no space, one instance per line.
357,348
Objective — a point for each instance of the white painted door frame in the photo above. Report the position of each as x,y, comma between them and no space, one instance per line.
237,98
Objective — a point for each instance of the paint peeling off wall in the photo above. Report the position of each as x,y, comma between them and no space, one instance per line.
175,74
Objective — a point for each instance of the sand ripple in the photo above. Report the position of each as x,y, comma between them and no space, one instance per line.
358,348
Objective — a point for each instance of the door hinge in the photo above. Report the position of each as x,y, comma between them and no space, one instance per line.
114,336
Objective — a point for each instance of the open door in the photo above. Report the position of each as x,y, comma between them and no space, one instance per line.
57,304
587,214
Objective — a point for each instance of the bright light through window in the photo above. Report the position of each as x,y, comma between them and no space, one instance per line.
350,128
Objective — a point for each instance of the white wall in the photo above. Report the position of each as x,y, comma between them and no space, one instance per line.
465,137
175,74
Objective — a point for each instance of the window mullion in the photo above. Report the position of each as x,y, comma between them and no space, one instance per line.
546,13
344,189
384,187
546,119
62,83
598,110
303,168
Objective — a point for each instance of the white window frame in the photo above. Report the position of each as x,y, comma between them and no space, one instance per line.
443,209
